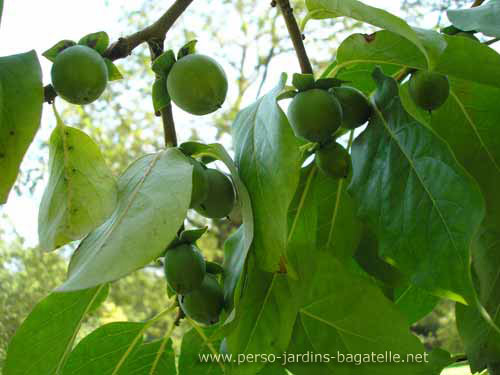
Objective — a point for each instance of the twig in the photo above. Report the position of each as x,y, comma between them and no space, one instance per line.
295,35
123,47
156,47
477,3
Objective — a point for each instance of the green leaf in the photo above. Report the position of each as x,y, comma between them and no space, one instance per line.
451,55
47,335
241,240
155,357
98,41
414,302
286,94
189,236
424,187
153,199
113,72
1,10
57,48
303,82
264,320
268,157
161,98
105,350
327,83
337,316
483,18
163,63
21,99
193,346
81,192
187,49
319,9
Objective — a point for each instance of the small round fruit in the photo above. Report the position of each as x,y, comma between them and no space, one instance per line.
220,198
197,84
199,190
333,160
429,90
315,115
205,303
184,268
356,109
79,75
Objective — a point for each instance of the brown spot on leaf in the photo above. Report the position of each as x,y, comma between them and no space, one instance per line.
369,37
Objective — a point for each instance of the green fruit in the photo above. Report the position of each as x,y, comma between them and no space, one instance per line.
199,190
333,160
315,115
79,75
205,303
220,198
184,268
197,84
429,90
356,109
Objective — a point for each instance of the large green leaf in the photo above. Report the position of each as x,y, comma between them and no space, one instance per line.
340,314
424,208
195,352
1,10
483,18
319,9
153,199
81,192
42,343
481,341
268,157
21,99
105,350
265,316
238,245
152,358
451,55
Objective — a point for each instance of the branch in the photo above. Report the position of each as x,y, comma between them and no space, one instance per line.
123,47
295,35
477,3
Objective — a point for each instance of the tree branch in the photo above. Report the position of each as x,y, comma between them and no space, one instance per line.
477,3
295,35
123,47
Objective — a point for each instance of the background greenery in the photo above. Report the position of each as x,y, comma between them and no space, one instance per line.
123,123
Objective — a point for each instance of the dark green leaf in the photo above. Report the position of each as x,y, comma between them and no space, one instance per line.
47,335
483,18
113,72
81,192
152,358
1,10
21,99
303,82
193,346
268,157
161,98
164,63
423,187
319,9
187,49
154,195
105,350
414,302
57,48
98,41
327,83
451,55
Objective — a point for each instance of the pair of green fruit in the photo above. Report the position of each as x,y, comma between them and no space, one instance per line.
212,192
200,295
196,83
316,114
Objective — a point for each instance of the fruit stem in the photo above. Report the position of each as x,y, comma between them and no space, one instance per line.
295,35
477,3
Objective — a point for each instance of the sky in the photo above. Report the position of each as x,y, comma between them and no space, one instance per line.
35,24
